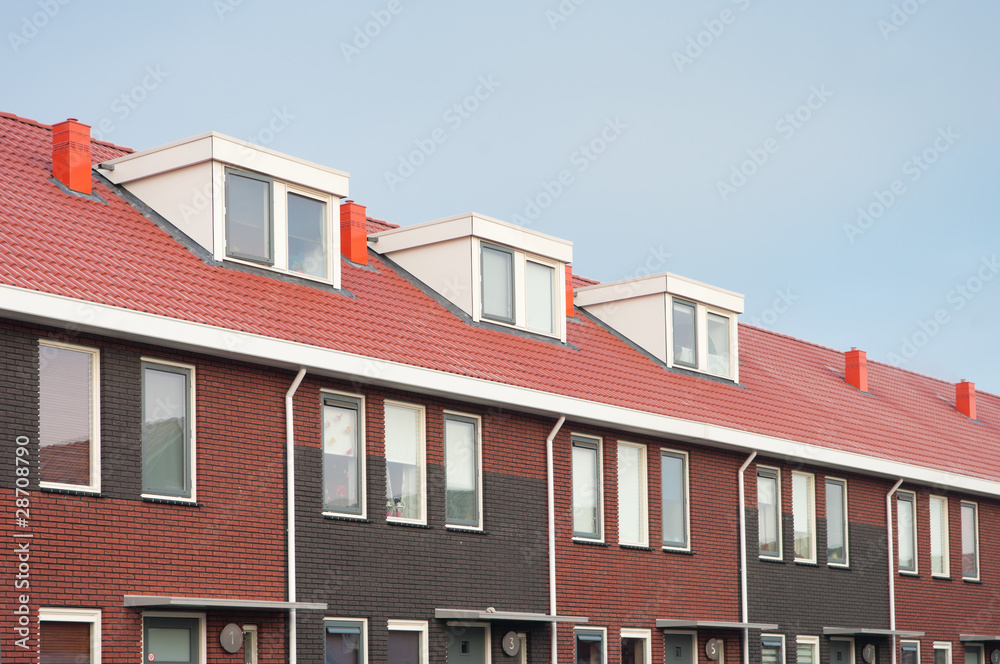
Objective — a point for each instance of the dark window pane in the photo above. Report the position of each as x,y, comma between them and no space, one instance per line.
343,645
164,432
306,235
498,284
404,647
64,642
685,351
65,412
461,459
248,217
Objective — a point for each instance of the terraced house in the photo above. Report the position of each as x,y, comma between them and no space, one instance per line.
250,423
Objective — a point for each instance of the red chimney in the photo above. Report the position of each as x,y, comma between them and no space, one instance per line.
856,369
71,158
354,232
570,311
965,398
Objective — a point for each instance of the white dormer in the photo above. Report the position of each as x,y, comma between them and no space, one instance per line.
682,323
242,202
494,271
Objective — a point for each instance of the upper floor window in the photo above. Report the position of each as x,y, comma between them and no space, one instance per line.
69,416
701,338
587,519
836,521
906,531
343,454
517,289
498,284
768,512
462,470
307,231
540,283
632,494
718,343
970,540
167,429
405,463
939,536
685,334
674,495
249,217
804,516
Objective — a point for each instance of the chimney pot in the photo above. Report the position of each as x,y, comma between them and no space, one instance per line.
856,369
71,155
965,398
354,232
570,311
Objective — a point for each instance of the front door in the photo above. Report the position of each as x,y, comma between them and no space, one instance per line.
679,648
840,651
170,641
466,644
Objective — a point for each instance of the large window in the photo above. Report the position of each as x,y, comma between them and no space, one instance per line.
804,516
970,541
836,522
407,642
249,217
167,430
768,512
498,284
346,641
307,241
906,529
539,296
718,343
462,474
587,487
589,646
632,494
343,455
69,416
807,650
69,635
909,652
404,462
772,649
674,496
685,346
939,536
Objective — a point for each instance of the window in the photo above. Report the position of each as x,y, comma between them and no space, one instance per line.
346,641
498,284
632,494
343,454
407,642
973,654
942,652
807,650
842,650
69,416
177,638
249,217
910,652
970,541
589,646
69,635
404,463
939,536
717,328
804,516
539,296
249,644
674,496
586,488
685,347
772,649
307,241
768,512
636,646
462,462
907,534
167,430
836,522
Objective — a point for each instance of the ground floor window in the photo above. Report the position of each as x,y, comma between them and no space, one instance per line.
590,646
772,649
346,641
69,635
407,642
942,652
635,646
173,638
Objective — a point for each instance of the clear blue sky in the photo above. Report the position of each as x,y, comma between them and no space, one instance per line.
730,141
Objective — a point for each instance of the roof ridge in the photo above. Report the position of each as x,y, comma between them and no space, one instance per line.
42,125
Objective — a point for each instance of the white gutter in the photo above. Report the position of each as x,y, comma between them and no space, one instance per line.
290,497
743,557
550,482
892,566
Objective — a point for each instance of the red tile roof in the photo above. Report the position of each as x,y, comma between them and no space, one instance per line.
111,254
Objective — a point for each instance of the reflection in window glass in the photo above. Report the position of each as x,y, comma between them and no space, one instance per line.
248,217
631,489
802,515
307,236
907,535
685,350
767,512
674,496
165,455
770,650
65,407
342,453
461,471
498,284
970,544
586,489
589,647
404,455
539,296
836,522
939,535
344,643
805,653
718,344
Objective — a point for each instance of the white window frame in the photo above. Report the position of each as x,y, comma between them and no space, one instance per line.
945,646
975,646
687,499
522,651
362,452
250,655
202,629
811,509
912,497
847,525
644,635
362,622
95,416
643,496
812,641
479,467
945,536
393,625
281,241
192,427
784,646
604,640
422,458
92,616
586,438
701,312
975,525
520,257
850,650
777,507
909,642
486,631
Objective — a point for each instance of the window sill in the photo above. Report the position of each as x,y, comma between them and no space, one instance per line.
682,552
768,559
469,531
976,581
807,563
589,542
915,575
634,547
170,501
407,524
345,517
839,566
72,492
942,578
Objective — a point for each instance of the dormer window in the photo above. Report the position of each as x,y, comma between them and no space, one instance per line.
249,218
717,329
307,236
685,338
498,284
508,297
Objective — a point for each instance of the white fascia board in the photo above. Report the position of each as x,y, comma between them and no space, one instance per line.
705,293
76,315
169,157
664,282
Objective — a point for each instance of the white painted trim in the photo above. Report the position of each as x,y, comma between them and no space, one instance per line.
850,651
421,457
687,498
479,466
889,537
413,626
76,315
95,416
644,634
362,451
810,512
92,616
744,602
945,536
293,654
202,629
847,525
192,427
643,472
664,282
975,525
940,645
551,499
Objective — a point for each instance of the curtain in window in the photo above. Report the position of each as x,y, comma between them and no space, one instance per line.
65,412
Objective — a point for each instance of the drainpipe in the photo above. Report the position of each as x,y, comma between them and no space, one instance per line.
892,571
743,557
290,497
550,481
